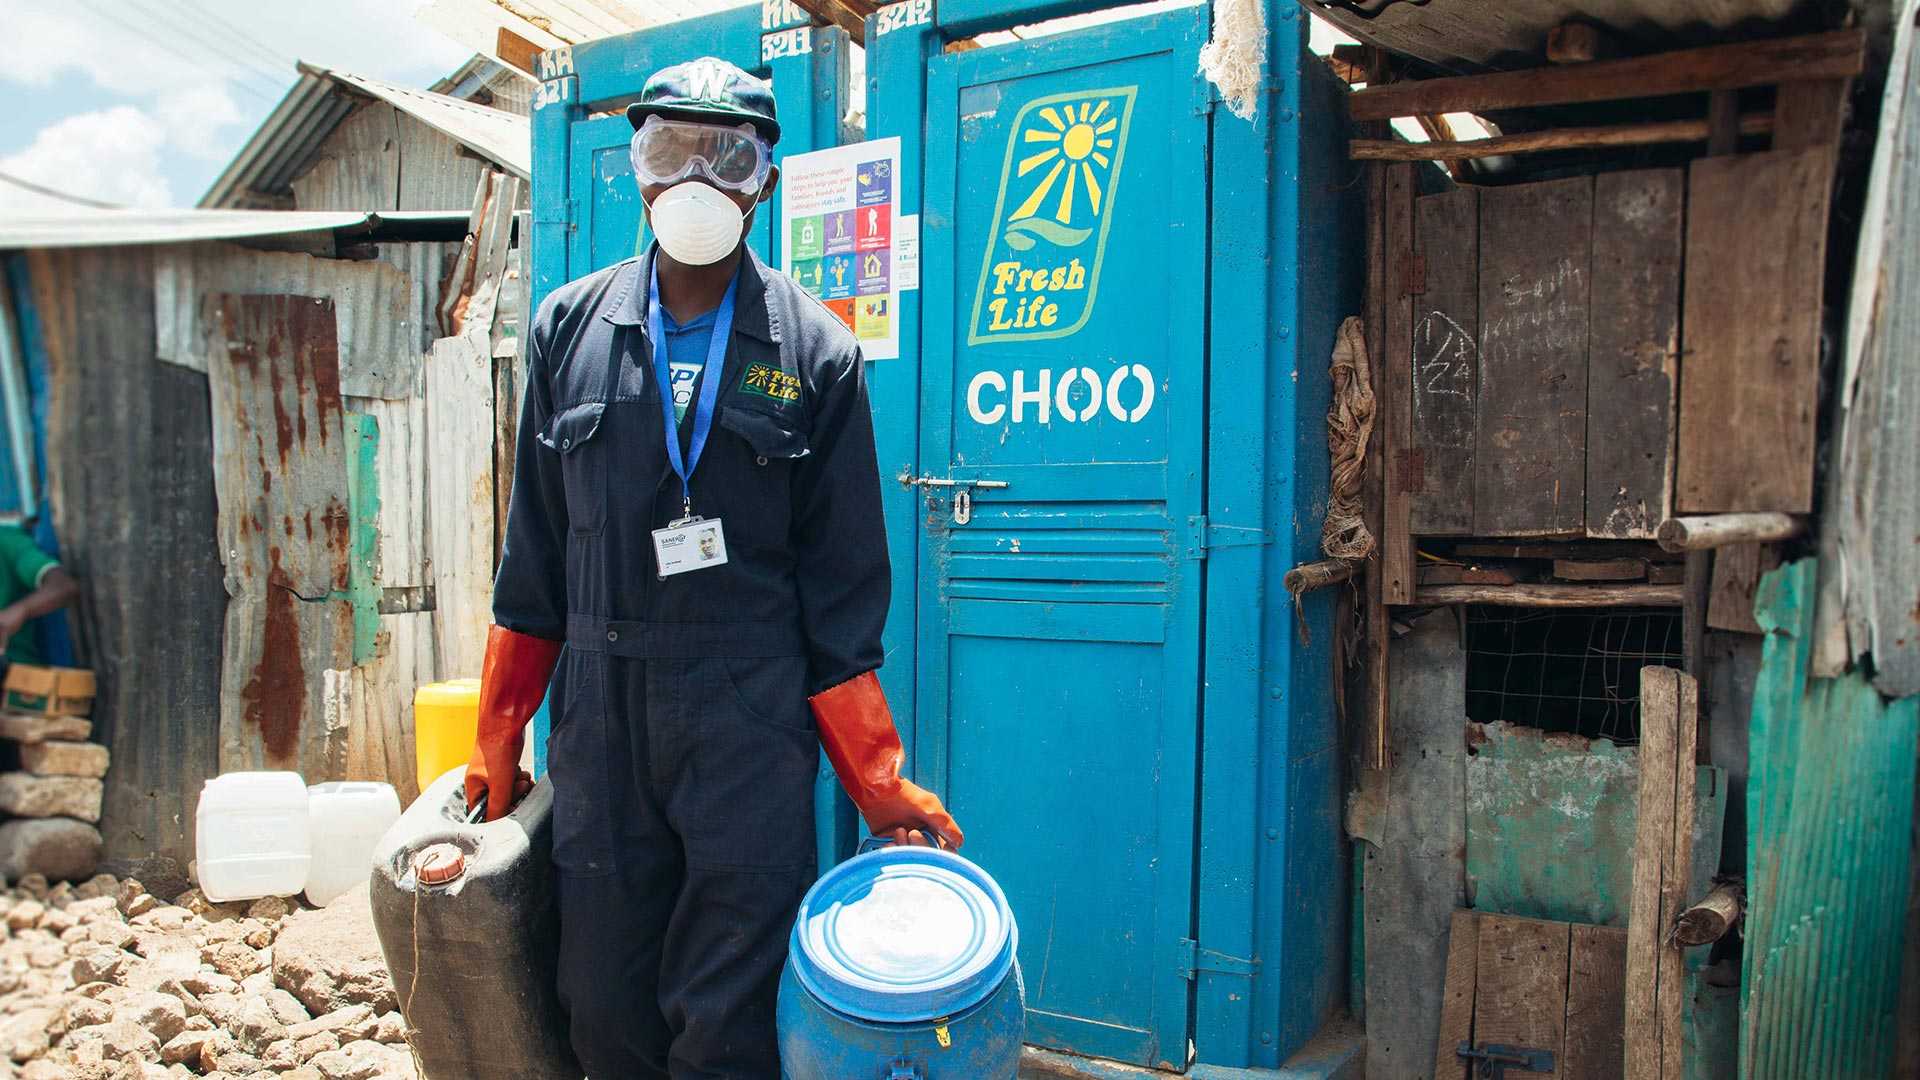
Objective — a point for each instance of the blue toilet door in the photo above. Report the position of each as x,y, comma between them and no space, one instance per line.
1063,417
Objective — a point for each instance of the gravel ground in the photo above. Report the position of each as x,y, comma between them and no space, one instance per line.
103,981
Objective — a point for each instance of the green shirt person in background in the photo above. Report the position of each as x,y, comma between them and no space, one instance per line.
32,584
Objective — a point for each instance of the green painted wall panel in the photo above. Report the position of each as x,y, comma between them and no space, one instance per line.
1830,811
1550,824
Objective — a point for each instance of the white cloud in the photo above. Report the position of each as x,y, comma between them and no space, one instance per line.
195,119
112,155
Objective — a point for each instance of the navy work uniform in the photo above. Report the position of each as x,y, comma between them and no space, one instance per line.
683,753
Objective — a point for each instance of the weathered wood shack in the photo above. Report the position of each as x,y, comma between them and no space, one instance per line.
254,415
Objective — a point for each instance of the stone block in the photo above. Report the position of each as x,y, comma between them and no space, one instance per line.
56,847
22,795
60,758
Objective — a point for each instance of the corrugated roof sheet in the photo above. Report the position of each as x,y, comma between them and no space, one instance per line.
126,228
286,141
552,23
1475,35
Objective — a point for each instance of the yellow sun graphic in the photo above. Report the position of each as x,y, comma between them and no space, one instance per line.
1079,158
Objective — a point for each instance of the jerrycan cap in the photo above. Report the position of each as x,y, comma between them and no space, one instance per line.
903,935
438,864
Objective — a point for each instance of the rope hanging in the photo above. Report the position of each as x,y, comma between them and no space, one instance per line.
1349,425
1232,59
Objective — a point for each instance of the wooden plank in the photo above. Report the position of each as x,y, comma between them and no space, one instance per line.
460,497
1536,254
1653,845
1552,595
128,445
1537,142
1446,361
1404,466
1756,251
1370,738
1596,1004
1676,882
280,469
514,50
1600,569
1415,873
1456,997
1809,114
1723,122
1453,574
1520,986
1662,871
1634,351
1736,575
1838,54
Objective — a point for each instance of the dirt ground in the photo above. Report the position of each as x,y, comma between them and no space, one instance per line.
103,981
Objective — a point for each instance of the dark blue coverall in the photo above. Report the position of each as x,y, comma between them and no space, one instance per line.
683,751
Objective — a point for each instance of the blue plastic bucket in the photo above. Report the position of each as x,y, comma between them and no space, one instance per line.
901,967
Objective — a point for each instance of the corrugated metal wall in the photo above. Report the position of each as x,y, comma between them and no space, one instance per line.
170,370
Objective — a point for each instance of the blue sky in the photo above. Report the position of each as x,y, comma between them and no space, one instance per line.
143,102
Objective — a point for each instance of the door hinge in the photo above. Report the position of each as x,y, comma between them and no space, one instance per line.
1204,535
1206,95
1194,960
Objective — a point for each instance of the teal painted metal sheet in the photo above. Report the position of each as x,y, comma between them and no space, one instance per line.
1830,803
1054,364
1551,819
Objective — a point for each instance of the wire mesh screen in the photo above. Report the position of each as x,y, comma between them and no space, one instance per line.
1573,671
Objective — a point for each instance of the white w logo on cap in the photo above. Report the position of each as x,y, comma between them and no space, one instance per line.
707,80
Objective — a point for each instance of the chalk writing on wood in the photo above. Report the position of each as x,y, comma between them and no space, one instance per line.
1446,361
1530,462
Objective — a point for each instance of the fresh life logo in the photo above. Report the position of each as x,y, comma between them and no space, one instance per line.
1060,177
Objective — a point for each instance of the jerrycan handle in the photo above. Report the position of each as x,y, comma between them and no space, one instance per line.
899,1070
876,843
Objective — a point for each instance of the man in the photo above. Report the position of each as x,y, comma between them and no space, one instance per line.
682,754
32,584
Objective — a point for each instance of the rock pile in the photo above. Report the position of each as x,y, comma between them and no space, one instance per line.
103,981
56,798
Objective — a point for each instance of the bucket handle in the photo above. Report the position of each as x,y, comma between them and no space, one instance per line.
876,843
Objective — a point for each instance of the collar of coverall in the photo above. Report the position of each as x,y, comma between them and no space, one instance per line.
751,314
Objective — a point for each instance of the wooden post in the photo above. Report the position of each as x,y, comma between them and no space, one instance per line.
1662,860
1552,596
1718,530
1709,920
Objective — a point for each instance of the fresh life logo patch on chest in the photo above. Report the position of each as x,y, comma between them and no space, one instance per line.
1058,183
771,383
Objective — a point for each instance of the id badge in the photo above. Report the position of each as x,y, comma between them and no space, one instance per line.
689,544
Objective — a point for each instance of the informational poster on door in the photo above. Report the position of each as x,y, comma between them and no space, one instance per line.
837,219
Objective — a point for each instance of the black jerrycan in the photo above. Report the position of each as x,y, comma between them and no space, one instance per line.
466,918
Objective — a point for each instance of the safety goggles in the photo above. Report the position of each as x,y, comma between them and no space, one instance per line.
668,151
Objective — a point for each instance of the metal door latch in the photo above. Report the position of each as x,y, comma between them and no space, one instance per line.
962,492
1492,1061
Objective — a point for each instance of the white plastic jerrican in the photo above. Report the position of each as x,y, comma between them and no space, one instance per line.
251,837
346,820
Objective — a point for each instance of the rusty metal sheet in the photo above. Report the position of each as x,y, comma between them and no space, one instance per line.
1870,560
280,468
369,708
375,306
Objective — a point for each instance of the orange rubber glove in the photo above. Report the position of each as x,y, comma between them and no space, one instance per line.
513,682
856,730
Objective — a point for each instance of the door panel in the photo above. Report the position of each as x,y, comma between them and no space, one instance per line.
1064,357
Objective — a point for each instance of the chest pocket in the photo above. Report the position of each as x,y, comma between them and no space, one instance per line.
583,463
768,449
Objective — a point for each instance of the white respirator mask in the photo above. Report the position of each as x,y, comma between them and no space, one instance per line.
696,223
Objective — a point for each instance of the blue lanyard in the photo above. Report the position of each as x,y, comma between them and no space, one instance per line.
710,380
